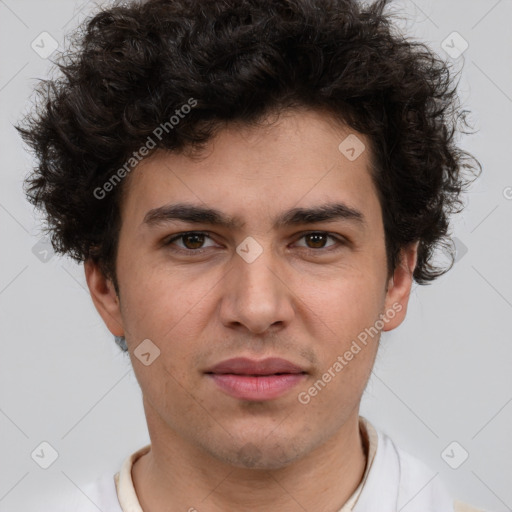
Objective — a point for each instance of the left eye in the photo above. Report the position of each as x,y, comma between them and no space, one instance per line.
318,238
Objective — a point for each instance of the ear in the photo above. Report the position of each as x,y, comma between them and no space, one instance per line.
399,287
104,296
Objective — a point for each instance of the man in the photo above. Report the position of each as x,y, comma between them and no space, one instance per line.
253,187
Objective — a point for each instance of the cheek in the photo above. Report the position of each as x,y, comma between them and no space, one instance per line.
346,342
173,312
346,302
157,300
345,316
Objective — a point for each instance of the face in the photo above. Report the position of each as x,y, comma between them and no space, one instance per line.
296,271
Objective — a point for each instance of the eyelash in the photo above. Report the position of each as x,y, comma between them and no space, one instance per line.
169,242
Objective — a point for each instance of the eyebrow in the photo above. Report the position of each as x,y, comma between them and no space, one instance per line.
184,212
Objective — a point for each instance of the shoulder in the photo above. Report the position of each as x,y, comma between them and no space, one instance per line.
464,507
414,470
103,493
99,494
418,487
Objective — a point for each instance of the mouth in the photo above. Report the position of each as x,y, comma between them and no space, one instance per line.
252,380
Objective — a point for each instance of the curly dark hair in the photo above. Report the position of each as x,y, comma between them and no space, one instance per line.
132,67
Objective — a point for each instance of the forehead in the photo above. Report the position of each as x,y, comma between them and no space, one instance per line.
252,172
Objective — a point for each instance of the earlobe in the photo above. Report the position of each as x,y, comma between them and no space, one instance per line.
399,287
104,297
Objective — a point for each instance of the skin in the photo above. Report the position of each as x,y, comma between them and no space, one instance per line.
296,300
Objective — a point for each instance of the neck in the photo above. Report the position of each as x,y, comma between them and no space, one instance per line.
175,476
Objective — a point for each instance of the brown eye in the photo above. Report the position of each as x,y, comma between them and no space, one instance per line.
191,242
318,239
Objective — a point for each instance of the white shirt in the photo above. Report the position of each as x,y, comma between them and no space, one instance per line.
393,480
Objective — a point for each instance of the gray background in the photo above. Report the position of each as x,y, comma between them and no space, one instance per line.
443,376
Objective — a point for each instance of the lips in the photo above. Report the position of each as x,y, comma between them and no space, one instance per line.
245,366
252,380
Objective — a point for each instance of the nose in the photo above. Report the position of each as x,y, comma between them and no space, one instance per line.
256,295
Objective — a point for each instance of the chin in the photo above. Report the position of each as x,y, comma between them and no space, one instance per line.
252,457
263,453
